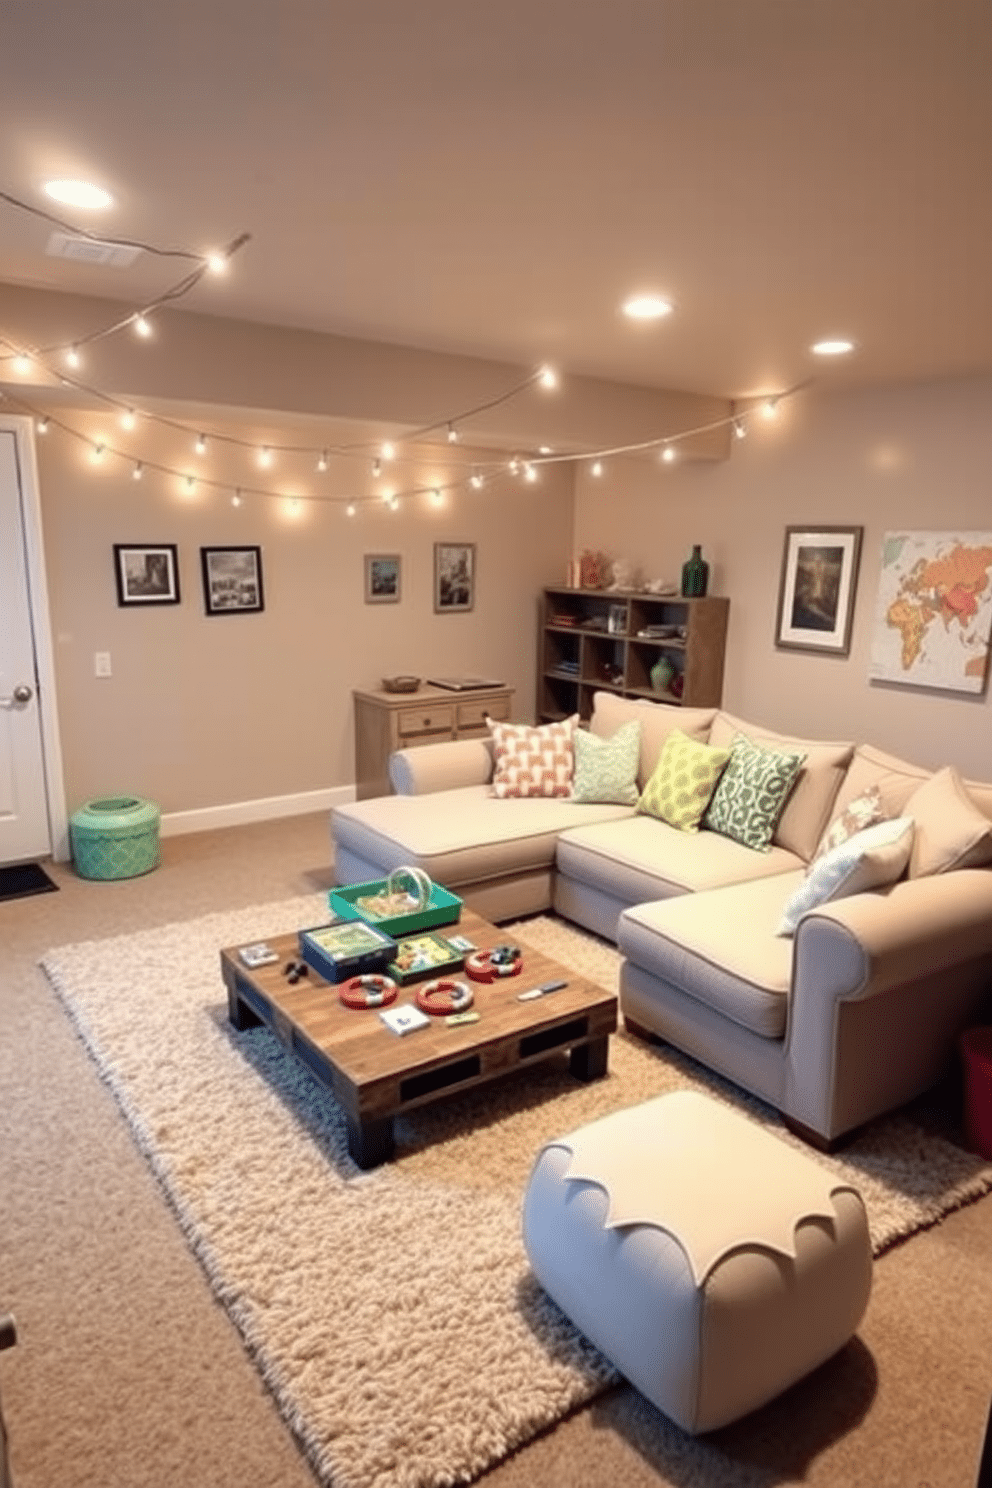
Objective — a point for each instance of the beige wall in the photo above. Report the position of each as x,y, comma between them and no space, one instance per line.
904,457
207,711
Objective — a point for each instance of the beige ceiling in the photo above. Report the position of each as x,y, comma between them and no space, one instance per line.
493,176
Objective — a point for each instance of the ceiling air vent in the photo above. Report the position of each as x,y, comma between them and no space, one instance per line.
85,250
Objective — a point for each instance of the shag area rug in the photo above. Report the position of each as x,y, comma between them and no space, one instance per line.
392,1313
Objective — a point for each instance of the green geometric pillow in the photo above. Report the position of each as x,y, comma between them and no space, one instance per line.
606,769
683,781
749,800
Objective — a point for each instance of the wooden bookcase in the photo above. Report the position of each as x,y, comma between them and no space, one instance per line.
593,640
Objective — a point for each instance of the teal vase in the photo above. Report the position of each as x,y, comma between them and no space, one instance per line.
695,574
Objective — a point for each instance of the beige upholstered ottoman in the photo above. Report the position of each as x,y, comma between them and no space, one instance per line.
710,1261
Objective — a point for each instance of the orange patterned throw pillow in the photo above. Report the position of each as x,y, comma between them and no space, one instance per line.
533,761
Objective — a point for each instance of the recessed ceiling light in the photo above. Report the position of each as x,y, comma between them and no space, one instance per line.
647,307
834,346
78,194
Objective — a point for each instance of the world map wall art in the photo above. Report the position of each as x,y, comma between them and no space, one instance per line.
933,617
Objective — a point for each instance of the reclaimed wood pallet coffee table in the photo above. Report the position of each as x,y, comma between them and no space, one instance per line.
376,1074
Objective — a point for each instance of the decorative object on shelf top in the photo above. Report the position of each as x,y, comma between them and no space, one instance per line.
592,569
621,574
400,684
695,574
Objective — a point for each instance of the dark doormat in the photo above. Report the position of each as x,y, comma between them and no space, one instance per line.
22,879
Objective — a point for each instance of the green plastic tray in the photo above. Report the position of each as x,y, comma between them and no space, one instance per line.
444,908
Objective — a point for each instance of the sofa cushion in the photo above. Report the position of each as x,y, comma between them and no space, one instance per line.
459,836
864,811
683,781
951,832
811,800
533,761
895,779
751,794
695,942
606,769
656,719
870,859
643,858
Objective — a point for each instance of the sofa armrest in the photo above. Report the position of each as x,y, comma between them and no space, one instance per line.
882,985
864,945
441,767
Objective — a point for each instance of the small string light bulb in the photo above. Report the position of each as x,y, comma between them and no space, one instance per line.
349,510
217,263
740,429
43,424
236,498
476,481
127,419
191,483
137,472
72,357
769,408
530,473
388,451
452,434
393,504
22,364
265,457
142,325
322,462
548,377
436,498
669,454
514,466
376,468
201,444
596,467
97,454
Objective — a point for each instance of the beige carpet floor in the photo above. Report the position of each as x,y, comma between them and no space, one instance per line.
409,1284
129,1374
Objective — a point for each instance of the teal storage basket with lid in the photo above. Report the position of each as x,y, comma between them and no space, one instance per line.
115,837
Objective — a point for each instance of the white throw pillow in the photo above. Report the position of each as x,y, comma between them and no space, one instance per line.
868,860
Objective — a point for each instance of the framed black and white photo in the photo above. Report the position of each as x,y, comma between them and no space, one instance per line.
146,573
382,578
816,589
454,577
232,580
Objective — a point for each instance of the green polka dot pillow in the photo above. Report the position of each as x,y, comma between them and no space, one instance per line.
606,769
752,793
683,781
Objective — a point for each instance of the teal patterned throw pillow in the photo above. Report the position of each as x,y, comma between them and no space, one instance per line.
606,769
752,793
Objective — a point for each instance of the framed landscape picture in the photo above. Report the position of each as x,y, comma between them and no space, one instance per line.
382,578
816,589
232,580
454,577
146,573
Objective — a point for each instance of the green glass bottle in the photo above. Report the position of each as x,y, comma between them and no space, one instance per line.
695,574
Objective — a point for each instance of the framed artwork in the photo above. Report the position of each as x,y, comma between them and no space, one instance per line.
816,589
146,573
454,577
232,580
382,578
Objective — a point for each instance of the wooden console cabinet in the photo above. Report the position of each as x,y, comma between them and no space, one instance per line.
385,721
601,640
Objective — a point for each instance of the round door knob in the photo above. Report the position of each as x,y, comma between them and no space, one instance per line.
22,693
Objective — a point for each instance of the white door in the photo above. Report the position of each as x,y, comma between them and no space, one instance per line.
24,818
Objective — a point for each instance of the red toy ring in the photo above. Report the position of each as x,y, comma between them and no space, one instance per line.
444,997
481,967
368,992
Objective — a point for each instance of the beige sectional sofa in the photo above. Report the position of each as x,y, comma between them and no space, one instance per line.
854,1014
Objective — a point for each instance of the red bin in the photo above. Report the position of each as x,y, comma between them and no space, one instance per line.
976,1051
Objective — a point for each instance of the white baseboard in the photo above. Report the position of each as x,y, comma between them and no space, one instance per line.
238,813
